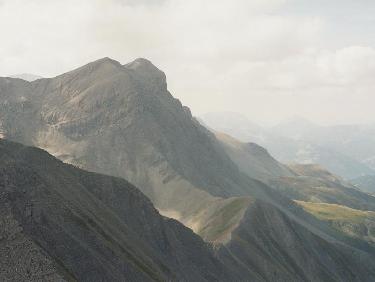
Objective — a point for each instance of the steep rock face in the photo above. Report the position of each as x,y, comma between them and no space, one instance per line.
91,227
121,120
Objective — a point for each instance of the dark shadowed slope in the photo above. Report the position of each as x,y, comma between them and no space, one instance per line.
282,250
59,221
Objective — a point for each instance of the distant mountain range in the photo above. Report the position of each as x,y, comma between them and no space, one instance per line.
346,150
121,120
27,76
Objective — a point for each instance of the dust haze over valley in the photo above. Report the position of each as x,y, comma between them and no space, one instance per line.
201,141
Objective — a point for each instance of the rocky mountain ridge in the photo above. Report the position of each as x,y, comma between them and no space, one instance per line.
121,120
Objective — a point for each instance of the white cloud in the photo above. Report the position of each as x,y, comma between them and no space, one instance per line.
248,56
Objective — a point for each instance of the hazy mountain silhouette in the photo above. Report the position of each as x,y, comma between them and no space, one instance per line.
27,76
365,183
345,150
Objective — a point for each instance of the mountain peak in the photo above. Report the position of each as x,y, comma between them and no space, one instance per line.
104,61
137,63
146,69
99,68
141,62
143,69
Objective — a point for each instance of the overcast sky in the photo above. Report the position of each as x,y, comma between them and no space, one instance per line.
267,59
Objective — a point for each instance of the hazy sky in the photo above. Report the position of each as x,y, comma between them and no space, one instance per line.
267,59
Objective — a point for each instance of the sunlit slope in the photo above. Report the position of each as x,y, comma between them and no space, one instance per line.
315,184
355,223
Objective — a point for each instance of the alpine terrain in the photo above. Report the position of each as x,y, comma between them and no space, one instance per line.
257,215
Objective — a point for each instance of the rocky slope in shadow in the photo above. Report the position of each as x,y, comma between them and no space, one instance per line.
62,223
281,249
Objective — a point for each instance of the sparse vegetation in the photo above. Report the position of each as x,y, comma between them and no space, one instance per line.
352,222
336,212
